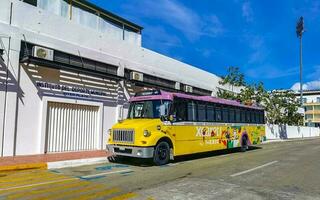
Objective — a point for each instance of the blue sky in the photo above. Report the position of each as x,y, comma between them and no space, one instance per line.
257,36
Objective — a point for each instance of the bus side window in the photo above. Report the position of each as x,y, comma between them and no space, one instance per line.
202,112
192,111
218,114
210,113
243,116
262,119
252,117
257,117
180,108
238,120
225,115
248,116
232,115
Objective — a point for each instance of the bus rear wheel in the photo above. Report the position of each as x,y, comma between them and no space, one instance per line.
161,155
244,144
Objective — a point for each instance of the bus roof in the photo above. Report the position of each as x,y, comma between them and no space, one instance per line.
160,94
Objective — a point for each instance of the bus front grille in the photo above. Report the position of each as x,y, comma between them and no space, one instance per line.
123,135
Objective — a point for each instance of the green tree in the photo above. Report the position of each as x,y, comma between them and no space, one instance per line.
234,78
281,106
226,94
247,95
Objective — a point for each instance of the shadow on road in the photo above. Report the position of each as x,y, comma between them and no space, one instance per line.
148,162
211,154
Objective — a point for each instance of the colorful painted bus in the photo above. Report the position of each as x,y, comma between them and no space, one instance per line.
161,125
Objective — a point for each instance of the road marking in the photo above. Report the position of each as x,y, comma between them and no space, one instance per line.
106,173
10,178
125,196
253,169
37,184
315,148
40,191
80,190
29,180
99,194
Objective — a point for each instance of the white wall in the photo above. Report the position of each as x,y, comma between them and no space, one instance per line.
287,132
29,117
311,98
24,105
40,27
8,107
109,119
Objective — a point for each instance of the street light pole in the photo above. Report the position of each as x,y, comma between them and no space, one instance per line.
299,31
301,91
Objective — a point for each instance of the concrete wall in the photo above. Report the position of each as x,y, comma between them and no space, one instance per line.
40,27
21,100
288,132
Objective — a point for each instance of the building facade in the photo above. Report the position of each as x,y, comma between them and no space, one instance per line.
67,70
311,104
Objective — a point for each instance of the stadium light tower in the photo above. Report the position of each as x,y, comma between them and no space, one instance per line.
299,31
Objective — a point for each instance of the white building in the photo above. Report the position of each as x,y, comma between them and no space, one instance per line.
311,105
67,71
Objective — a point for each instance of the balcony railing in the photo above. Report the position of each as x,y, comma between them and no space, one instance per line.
82,13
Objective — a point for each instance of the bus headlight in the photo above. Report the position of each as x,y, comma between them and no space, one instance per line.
146,133
109,131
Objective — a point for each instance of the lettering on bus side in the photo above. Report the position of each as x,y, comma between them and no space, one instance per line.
207,131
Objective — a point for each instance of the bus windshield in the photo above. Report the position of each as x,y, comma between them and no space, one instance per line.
149,109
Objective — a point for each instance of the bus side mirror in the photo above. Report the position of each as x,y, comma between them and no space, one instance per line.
171,118
163,118
166,118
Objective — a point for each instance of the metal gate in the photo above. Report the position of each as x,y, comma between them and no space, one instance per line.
72,127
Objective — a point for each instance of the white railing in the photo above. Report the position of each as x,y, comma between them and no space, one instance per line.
286,132
88,19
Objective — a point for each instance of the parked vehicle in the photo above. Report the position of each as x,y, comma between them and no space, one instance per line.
161,125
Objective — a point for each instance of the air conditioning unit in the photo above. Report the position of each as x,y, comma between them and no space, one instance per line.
177,86
136,76
43,53
188,88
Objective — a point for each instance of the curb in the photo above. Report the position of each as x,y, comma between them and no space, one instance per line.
23,167
76,163
54,165
289,140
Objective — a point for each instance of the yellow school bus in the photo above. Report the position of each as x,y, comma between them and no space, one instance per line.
161,125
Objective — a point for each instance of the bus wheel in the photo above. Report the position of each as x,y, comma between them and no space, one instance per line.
115,159
244,144
161,153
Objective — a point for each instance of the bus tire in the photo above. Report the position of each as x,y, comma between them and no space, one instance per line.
161,155
115,159
244,144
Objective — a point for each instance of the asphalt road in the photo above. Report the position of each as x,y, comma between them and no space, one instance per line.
283,170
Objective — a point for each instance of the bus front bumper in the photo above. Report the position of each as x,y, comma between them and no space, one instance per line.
138,152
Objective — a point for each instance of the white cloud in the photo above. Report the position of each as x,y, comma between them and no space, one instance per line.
213,26
159,35
178,16
259,51
312,85
270,72
247,11
314,73
206,53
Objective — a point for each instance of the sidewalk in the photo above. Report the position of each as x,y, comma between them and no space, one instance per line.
55,159
290,139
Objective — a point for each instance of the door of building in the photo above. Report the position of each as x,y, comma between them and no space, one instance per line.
72,127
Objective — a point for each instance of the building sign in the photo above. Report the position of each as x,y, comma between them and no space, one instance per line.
70,90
